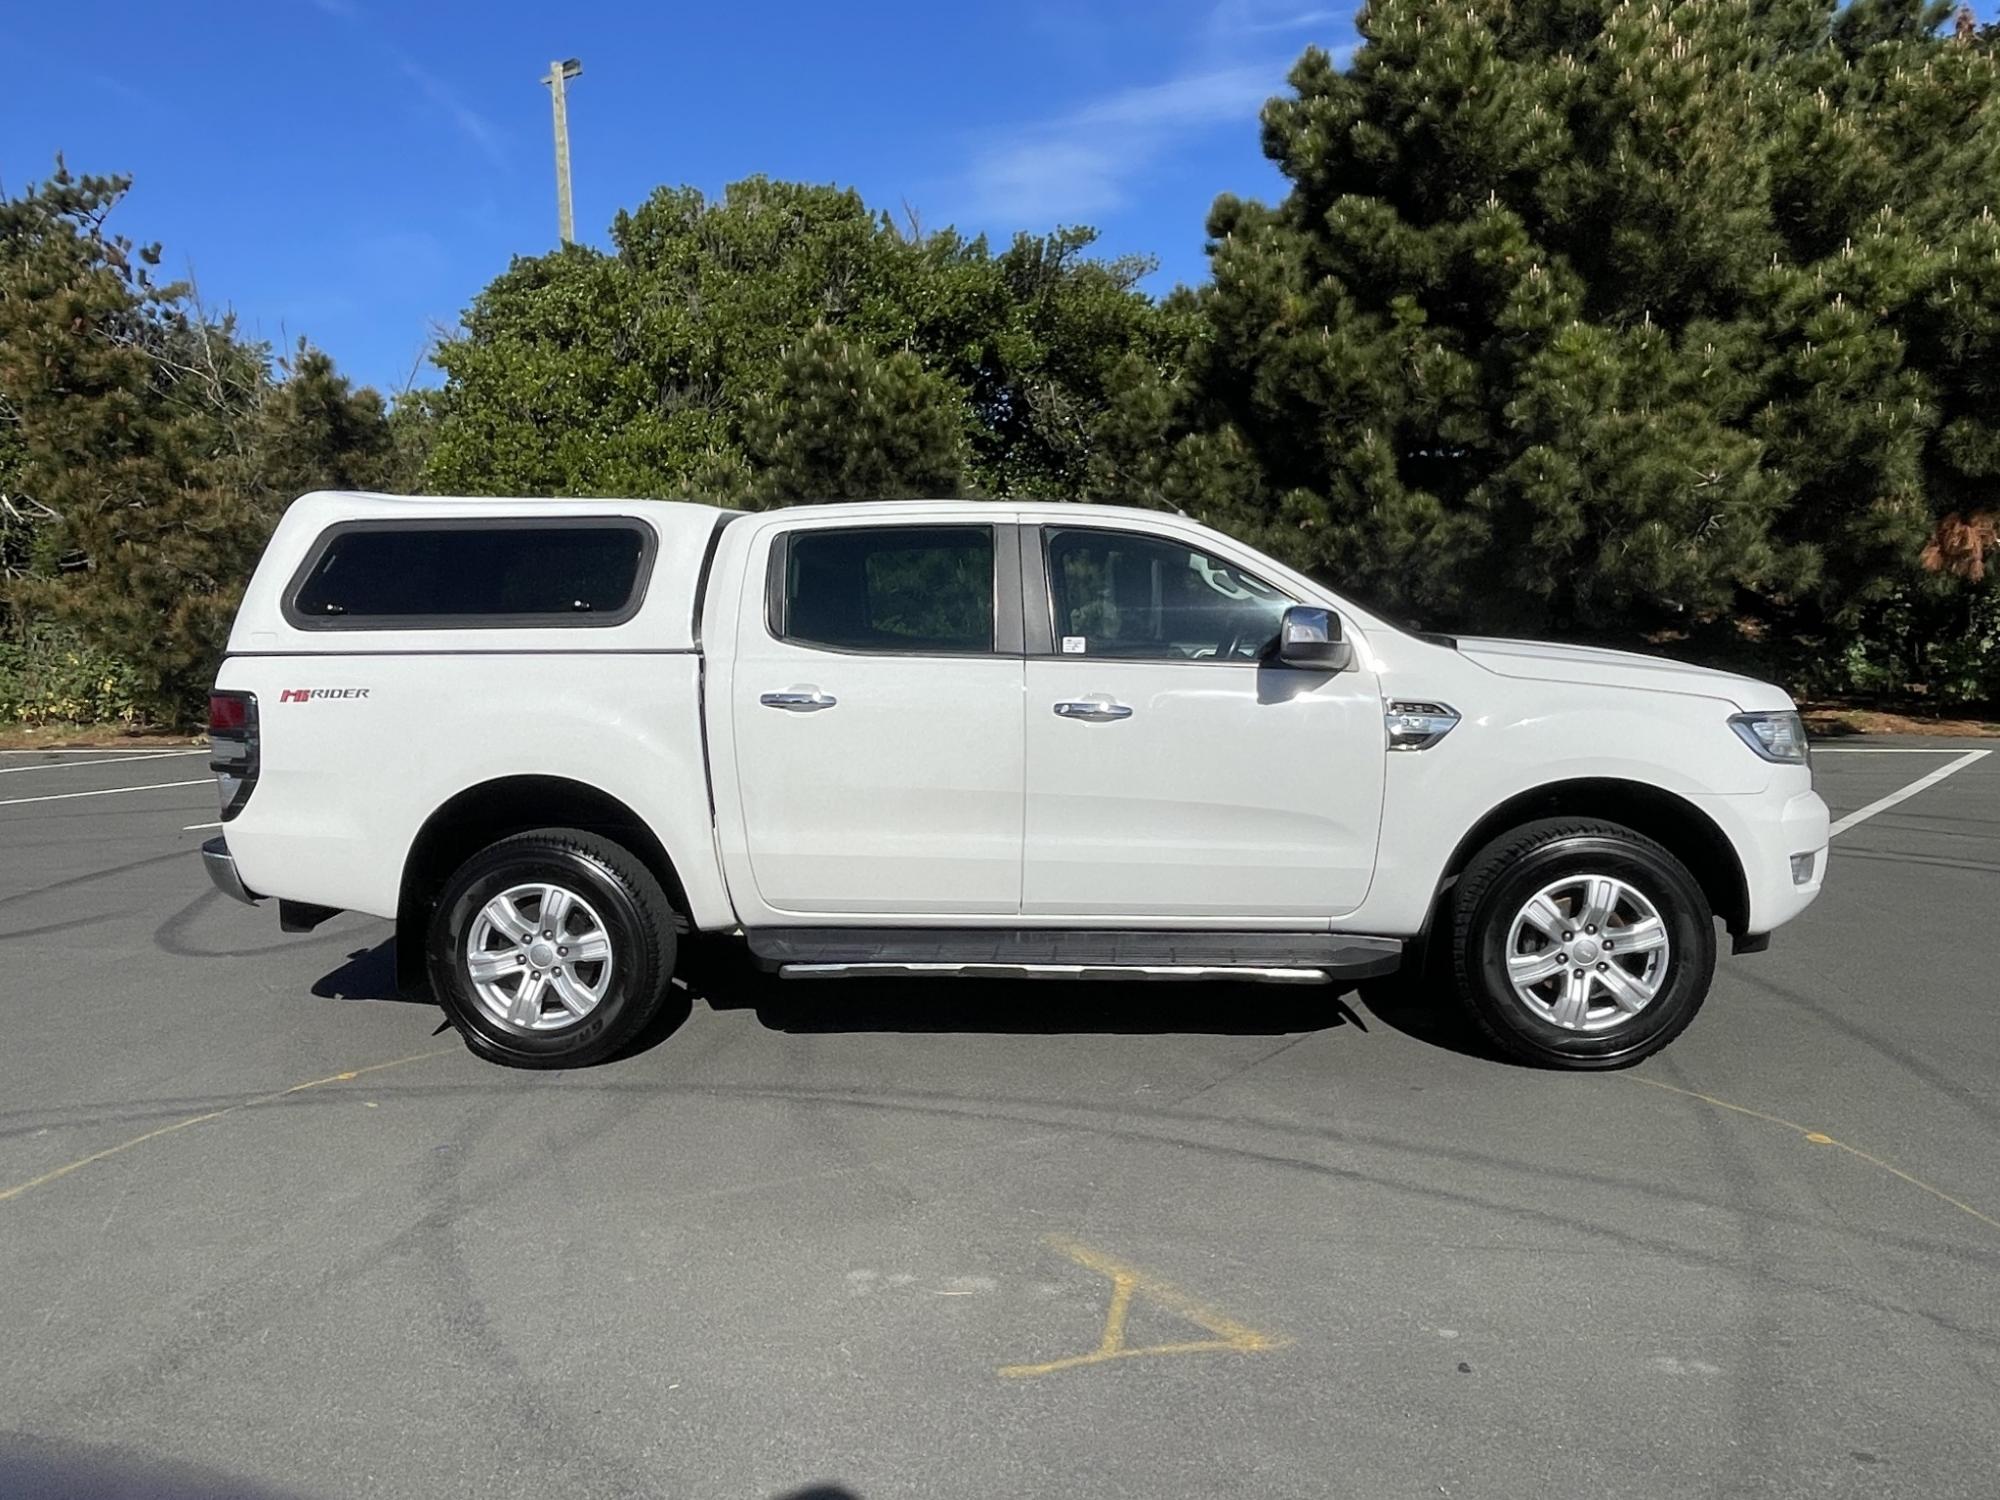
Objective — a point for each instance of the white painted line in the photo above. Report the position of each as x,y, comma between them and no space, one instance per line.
1921,783
107,760
110,791
193,826
98,750
1883,750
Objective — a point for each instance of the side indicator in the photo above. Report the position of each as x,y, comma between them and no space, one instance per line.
1417,726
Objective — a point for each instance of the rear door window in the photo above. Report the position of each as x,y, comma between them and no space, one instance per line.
440,574
910,589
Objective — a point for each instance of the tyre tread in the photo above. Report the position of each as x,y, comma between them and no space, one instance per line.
1491,864
658,934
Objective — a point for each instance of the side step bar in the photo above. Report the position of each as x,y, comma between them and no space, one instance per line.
1053,971
1072,953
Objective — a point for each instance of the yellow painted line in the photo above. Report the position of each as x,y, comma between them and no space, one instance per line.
215,1114
1127,1282
1821,1138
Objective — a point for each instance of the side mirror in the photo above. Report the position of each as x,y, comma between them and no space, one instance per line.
1309,637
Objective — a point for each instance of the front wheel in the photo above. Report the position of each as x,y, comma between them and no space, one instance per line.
1580,944
551,949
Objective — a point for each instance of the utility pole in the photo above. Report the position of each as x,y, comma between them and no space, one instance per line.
560,73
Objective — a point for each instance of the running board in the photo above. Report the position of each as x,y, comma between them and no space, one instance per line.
1073,953
1053,971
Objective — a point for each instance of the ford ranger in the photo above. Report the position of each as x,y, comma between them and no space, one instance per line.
552,738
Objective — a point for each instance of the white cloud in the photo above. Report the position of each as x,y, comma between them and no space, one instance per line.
1081,163
469,123
410,255
474,126
1233,18
1183,103
119,87
1085,162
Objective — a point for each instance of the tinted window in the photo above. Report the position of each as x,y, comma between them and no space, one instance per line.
533,573
891,588
1116,593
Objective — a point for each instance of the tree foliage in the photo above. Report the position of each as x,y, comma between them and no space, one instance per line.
145,448
1640,318
1613,316
691,353
841,422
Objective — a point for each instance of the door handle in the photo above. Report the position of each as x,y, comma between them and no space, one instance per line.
809,700
1093,710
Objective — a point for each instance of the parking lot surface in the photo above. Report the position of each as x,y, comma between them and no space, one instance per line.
267,1232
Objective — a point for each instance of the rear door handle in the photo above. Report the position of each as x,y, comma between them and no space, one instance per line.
1093,710
800,700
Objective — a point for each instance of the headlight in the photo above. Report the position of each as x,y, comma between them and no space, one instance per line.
1778,737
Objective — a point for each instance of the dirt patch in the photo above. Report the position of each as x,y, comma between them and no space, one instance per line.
1832,721
91,737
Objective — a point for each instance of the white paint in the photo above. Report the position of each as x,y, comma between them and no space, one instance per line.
1218,796
1819,750
110,791
95,750
109,760
1922,783
941,791
966,1286
194,827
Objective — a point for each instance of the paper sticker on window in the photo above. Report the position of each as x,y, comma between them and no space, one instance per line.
1073,645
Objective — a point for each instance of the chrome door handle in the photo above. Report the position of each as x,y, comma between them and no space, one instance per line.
799,700
1093,710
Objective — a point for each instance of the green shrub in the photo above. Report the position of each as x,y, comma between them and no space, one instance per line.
52,677
1940,649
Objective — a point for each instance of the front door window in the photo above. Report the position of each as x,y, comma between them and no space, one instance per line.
1141,598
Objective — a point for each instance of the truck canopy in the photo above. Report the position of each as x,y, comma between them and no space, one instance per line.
472,564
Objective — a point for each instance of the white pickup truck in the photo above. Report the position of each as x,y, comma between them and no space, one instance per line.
551,737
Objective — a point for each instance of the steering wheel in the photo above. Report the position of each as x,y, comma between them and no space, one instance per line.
1237,632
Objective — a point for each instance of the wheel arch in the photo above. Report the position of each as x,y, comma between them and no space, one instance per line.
1665,817
492,810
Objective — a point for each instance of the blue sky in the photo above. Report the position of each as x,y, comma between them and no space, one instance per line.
355,170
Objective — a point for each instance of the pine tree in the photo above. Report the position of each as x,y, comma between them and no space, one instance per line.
316,431
843,423
107,381
1624,316
637,371
146,451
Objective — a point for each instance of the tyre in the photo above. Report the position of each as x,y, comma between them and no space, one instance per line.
551,949
1580,944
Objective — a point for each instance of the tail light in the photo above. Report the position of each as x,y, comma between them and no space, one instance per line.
232,747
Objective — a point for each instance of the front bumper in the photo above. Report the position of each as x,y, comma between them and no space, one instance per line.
221,867
1767,832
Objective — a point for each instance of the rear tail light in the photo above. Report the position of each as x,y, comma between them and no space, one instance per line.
232,747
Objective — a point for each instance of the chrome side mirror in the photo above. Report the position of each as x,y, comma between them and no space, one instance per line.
1309,637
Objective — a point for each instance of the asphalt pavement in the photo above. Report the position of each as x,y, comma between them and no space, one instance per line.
265,1231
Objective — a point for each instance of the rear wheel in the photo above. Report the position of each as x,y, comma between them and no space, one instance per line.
1580,944
551,949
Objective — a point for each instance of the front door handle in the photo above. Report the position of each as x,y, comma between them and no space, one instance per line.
1093,710
799,700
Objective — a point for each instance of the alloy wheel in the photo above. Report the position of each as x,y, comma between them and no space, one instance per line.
1587,953
539,957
